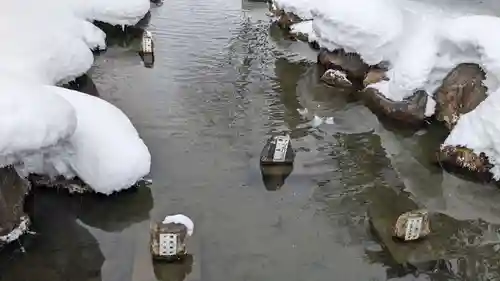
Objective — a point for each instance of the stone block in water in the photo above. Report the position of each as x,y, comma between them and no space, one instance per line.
168,241
412,225
277,151
168,238
147,49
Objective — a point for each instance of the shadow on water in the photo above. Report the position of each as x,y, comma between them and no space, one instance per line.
63,249
83,84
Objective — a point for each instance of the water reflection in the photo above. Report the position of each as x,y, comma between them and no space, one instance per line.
109,213
83,84
176,271
274,176
61,250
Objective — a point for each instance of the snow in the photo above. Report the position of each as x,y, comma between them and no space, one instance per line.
54,130
301,8
423,41
105,151
306,28
477,130
181,219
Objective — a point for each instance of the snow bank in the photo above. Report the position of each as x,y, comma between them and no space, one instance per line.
54,130
479,130
301,8
306,28
33,118
367,27
105,151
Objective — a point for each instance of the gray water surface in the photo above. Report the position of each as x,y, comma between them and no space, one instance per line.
223,81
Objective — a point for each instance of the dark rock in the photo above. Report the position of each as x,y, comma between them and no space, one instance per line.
72,186
464,161
286,19
13,190
350,63
271,155
408,111
462,90
374,75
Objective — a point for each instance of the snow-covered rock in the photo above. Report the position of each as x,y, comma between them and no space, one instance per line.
56,131
424,42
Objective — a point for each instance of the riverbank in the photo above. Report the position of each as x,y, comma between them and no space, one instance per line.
452,81
55,131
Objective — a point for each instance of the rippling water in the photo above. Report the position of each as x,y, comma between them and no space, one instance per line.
223,81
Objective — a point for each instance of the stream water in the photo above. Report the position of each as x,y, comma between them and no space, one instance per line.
224,80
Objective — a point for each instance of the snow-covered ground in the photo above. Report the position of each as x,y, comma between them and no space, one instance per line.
423,41
53,130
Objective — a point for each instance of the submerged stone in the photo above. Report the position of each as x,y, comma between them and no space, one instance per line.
408,111
13,189
461,91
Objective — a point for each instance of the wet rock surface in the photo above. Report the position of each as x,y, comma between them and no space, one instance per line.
286,19
350,63
409,111
13,190
72,186
462,90
464,161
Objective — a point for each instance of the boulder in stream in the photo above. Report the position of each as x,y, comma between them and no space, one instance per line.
286,19
13,221
465,161
409,111
461,91
349,63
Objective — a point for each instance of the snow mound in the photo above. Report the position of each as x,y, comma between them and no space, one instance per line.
33,118
479,130
301,8
366,27
106,151
55,131
180,219
306,28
